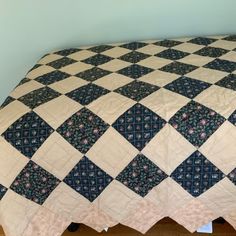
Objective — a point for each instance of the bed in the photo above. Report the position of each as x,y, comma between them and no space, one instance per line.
124,133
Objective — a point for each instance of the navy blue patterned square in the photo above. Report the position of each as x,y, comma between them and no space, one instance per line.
93,74
228,82
141,175
52,77
202,41
23,81
230,38
100,48
222,65
83,129
168,43
7,101
134,57
58,64
137,90
196,122
179,68
67,52
232,176
172,54
34,183
139,125
133,45
97,60
38,97
3,191
211,52
197,174
232,118
28,133
87,94
88,179
135,71
187,87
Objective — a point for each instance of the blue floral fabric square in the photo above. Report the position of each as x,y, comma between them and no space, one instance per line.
34,183
23,81
135,71
202,41
93,74
168,43
83,129
88,179
211,52
39,97
67,52
196,122
97,60
232,176
172,54
8,100
139,125
179,68
133,45
230,38
87,94
58,64
100,48
141,175
28,133
222,65
232,118
187,87
3,191
197,174
137,90
133,57
228,82
52,77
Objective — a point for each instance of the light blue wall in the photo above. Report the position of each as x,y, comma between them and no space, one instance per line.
30,28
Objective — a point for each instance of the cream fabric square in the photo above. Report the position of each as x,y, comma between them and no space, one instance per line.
221,198
230,56
196,60
11,162
76,68
116,52
81,55
114,65
110,106
165,103
220,148
49,58
57,156
16,213
151,49
41,70
69,84
168,149
225,44
58,110
207,75
11,113
67,202
221,100
113,81
193,215
188,47
25,88
112,152
115,199
154,62
159,78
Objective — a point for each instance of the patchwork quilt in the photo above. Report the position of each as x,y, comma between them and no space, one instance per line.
124,133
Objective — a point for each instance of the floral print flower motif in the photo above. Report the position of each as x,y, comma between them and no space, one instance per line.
141,175
34,183
88,179
3,191
133,57
222,65
178,68
83,129
228,82
196,122
197,174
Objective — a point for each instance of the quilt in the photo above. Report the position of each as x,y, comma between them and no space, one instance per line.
124,133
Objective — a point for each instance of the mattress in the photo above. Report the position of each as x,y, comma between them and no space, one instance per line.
124,133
